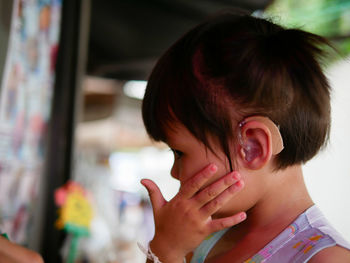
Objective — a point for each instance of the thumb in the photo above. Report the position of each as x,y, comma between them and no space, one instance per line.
154,193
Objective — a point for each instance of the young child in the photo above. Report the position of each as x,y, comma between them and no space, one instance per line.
246,99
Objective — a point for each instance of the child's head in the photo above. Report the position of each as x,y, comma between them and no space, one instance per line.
235,66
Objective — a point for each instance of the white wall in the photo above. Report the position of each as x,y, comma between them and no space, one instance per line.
328,175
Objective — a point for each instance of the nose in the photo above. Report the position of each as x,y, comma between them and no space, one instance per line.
175,172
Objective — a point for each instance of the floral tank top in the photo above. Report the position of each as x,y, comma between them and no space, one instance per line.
307,235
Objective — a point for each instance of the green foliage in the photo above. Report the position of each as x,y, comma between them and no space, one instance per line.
329,18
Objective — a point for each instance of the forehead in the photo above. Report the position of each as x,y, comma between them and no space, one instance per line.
176,132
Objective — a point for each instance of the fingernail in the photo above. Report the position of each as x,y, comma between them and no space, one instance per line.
213,168
243,216
240,184
236,175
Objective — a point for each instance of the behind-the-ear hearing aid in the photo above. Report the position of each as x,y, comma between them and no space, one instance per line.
251,148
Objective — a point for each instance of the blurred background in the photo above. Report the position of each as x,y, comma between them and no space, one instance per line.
73,75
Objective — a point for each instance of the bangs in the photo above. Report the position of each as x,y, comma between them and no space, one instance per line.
173,95
170,95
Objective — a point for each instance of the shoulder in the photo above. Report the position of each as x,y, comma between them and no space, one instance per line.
331,254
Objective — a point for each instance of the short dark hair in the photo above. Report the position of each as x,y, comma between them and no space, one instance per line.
233,66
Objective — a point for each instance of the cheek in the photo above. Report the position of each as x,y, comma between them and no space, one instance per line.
195,161
223,167
187,167
192,167
183,169
245,199
220,173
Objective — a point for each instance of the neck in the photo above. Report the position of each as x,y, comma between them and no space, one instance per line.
283,201
283,198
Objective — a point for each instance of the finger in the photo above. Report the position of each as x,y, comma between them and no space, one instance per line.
194,184
218,202
222,223
154,193
216,188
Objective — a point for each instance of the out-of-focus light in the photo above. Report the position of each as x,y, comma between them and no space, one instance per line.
128,168
135,89
125,174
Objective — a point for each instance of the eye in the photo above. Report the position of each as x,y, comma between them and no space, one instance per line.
178,154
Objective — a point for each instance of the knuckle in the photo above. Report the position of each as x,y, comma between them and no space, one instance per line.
218,226
233,189
228,181
216,203
193,221
181,205
187,214
235,221
222,224
211,192
178,206
206,174
195,184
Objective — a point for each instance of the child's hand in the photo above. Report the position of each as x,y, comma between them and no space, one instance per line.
185,221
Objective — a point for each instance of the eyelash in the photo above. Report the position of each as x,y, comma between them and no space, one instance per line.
178,154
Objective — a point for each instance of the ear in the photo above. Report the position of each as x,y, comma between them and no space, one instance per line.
255,144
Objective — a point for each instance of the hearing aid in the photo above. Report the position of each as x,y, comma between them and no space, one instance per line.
251,150
250,147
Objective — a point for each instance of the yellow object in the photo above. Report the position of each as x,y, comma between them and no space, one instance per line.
75,209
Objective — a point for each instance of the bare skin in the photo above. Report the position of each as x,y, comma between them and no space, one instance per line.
263,224
271,199
192,208
12,253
